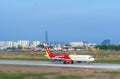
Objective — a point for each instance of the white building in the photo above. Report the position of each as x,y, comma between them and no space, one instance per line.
15,44
9,44
91,45
6,44
2,44
23,43
35,43
77,44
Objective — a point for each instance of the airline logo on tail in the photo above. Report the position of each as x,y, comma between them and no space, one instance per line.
48,52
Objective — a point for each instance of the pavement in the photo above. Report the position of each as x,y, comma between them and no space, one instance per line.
59,64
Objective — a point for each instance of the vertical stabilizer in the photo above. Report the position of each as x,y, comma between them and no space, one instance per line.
48,52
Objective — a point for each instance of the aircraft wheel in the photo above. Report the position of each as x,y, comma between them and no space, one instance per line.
64,62
72,62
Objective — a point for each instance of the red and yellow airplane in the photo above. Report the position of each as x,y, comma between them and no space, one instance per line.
68,58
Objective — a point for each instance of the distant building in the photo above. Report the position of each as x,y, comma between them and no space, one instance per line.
2,45
118,43
23,43
106,42
91,45
6,44
15,44
46,37
35,43
76,44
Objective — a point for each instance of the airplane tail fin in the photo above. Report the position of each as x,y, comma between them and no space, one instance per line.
48,52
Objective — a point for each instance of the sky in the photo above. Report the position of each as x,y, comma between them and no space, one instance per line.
64,20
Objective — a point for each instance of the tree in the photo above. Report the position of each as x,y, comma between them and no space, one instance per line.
41,46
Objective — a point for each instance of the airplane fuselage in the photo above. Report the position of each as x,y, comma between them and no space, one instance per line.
87,58
68,58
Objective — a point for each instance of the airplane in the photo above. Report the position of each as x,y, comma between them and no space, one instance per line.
66,58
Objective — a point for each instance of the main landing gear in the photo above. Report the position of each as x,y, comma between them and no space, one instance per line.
67,62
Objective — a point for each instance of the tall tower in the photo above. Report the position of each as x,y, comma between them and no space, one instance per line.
46,37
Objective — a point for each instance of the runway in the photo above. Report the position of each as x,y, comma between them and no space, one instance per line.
59,64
